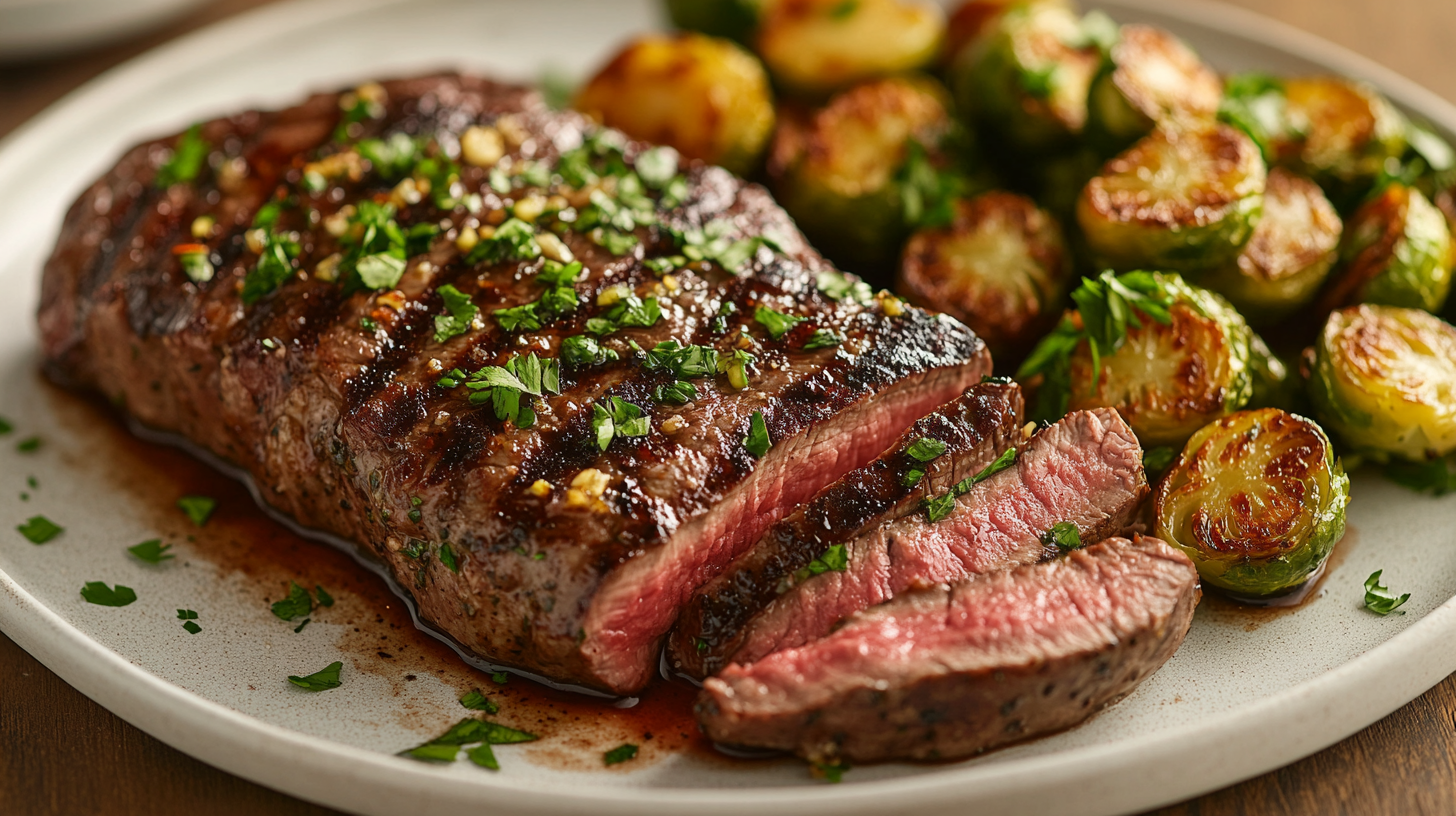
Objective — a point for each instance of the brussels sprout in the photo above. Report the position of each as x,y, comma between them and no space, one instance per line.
1169,356
1150,77
1396,251
1257,500
837,169
1027,81
734,19
1338,132
1289,256
1181,199
1000,266
706,97
818,46
1384,380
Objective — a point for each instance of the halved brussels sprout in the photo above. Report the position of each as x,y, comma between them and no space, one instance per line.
706,97
1000,266
734,19
1289,256
835,169
1384,380
1396,251
1182,199
969,24
1339,132
1150,77
1027,81
1257,500
1169,379
818,46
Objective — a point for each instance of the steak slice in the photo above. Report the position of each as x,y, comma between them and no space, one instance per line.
280,300
1086,469
947,672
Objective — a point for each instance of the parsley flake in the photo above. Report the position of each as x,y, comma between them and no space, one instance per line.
152,552
757,442
622,753
324,598
629,312
191,627
504,386
824,338
461,313
447,557
321,680
776,323
833,559
186,614
514,240
925,449
1063,535
833,773
475,701
679,393
499,678
100,594
941,506
197,508
617,419
296,605
484,756
186,160
840,286
28,445
682,362
6,426
1379,599
39,529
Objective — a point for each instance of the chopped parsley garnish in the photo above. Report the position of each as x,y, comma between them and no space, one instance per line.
296,605
186,614
554,273
475,701
152,552
617,419
447,557
102,595
559,299
622,753
1379,599
461,313
679,393
321,680
833,559
274,266
925,449
186,160
666,264
434,752
368,324
1435,476
757,441
499,678
832,773
197,266
191,627
631,311
514,240
683,362
324,598
28,445
1107,306
1255,103
5,426
484,756
824,338
1063,535
940,507
736,365
928,192
581,351
504,386
299,628
393,158
912,477
197,508
39,529
380,270
837,285
1156,460
711,242
446,747
617,243
656,166
777,324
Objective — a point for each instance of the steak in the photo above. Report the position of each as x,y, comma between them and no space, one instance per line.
1086,469
366,303
948,672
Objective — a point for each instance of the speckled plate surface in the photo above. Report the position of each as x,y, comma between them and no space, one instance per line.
1246,693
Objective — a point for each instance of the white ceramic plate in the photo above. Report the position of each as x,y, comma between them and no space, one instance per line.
38,28
1246,693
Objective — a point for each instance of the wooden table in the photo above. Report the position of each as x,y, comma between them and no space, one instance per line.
61,753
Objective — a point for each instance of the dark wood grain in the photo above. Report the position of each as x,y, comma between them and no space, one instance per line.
60,753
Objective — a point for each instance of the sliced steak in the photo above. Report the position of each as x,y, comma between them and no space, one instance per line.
329,386
947,672
1086,469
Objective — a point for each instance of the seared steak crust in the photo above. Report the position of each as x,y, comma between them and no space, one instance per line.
975,428
328,396
952,671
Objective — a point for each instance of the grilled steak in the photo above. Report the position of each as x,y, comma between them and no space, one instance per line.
365,301
1086,469
948,672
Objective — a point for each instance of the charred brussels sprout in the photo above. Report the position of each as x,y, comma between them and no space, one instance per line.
1289,256
1181,199
1000,266
1027,80
1150,77
817,46
838,170
1396,251
734,19
1170,357
1384,380
1257,500
1338,132
706,97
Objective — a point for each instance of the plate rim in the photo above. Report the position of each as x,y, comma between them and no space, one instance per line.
339,775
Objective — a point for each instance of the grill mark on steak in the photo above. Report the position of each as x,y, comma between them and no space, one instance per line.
948,672
1085,469
345,430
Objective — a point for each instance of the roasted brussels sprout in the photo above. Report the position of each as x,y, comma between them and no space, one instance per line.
734,19
1185,199
1384,381
1257,500
1289,256
1149,77
1338,132
969,24
1027,80
1396,251
1169,356
1000,266
837,169
706,97
815,47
